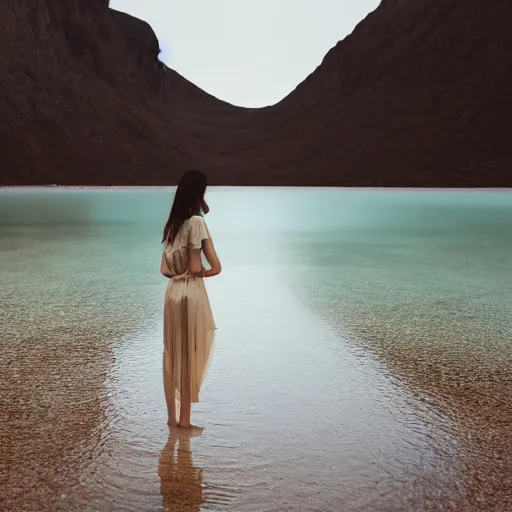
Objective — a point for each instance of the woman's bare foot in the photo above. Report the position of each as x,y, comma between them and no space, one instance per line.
191,430
185,425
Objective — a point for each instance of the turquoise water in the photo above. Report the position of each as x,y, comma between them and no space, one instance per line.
362,360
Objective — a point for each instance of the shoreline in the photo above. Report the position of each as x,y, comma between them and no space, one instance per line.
266,187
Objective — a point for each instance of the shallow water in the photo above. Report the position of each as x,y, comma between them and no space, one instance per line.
362,360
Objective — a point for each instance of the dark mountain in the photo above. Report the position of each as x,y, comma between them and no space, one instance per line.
418,95
85,100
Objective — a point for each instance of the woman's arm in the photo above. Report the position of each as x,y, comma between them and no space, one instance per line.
164,268
196,265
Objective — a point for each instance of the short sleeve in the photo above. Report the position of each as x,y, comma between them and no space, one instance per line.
197,232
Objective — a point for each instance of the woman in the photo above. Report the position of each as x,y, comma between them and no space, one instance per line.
188,321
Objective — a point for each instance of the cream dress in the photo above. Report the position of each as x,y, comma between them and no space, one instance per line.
189,326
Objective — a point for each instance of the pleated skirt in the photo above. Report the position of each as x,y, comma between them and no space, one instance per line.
189,332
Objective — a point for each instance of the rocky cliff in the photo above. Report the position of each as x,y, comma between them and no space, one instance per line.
418,95
85,100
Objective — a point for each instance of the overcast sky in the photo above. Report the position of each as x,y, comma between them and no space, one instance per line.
248,52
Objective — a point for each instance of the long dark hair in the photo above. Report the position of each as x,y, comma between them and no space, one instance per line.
188,201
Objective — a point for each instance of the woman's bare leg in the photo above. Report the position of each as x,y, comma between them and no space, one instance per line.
185,406
170,392
169,385
185,410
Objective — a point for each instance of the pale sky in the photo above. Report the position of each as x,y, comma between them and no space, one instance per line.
248,52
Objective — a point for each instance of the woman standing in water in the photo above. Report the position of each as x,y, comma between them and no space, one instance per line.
188,321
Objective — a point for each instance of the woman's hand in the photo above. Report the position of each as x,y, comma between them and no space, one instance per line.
212,258
181,277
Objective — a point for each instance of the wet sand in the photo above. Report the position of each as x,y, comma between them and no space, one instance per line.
473,387
52,407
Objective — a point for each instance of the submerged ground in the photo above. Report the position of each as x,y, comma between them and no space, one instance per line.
363,357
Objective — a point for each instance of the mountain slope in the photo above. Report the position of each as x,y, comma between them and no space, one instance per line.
84,99
418,95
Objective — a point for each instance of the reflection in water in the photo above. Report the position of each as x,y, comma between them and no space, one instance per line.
181,483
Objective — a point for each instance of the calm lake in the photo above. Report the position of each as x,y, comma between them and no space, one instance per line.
362,360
